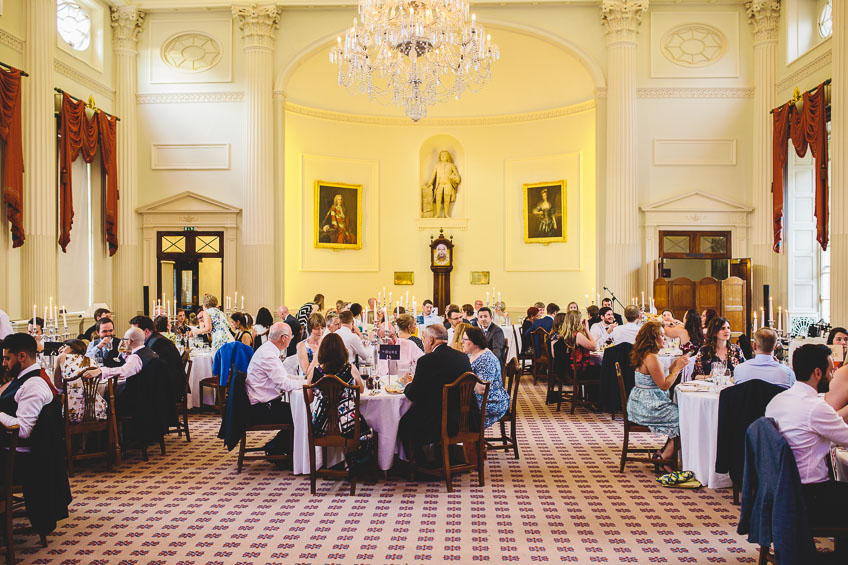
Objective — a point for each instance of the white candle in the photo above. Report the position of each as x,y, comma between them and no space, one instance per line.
499,297
384,298
406,302
599,298
414,309
788,325
386,321
771,309
34,313
45,317
779,318
487,298
762,317
64,316
235,300
587,300
56,316
390,299
643,299
754,329
242,303
379,299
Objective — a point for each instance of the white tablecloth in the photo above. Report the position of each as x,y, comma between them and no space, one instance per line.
685,374
514,348
201,368
382,412
698,428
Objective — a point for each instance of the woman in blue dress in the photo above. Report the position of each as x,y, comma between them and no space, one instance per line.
486,366
649,403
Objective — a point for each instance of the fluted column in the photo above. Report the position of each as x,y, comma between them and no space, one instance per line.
39,279
764,16
256,250
126,272
623,256
839,167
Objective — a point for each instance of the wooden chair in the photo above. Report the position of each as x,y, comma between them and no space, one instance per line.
561,375
7,472
541,354
182,402
89,422
220,394
243,449
630,427
523,358
578,391
508,441
331,388
120,448
464,389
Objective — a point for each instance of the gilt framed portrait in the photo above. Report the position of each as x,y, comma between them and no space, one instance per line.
338,215
544,212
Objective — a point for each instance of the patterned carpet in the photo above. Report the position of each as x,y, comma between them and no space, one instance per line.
564,500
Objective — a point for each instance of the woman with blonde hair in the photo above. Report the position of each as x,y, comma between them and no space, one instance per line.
215,322
649,403
456,343
307,348
575,336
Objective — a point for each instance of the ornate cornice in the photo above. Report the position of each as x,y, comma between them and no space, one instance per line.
822,61
764,17
257,24
672,92
621,18
126,23
400,121
11,41
189,97
83,79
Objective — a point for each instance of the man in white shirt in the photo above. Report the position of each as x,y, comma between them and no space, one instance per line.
133,363
27,393
355,347
764,366
265,382
602,331
627,333
5,325
428,316
809,424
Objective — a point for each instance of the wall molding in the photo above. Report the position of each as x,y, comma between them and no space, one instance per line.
189,97
694,152
11,41
820,62
402,121
673,92
83,79
189,156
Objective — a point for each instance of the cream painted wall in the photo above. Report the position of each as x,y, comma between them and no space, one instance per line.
491,152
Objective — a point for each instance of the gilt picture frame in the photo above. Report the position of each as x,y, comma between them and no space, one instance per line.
545,218
338,215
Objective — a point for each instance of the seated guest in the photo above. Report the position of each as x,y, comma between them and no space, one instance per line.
838,336
356,310
297,336
690,334
263,324
103,350
241,331
477,305
167,352
284,315
559,351
407,327
352,341
810,425
398,311
602,331
607,302
28,390
332,359
70,362
717,349
409,352
131,363
453,318
532,314
501,318
180,325
35,328
422,423
91,332
428,316
486,365
468,315
669,320
706,317
649,403
593,314
307,348
333,321
458,333
341,305
495,341
546,322
266,380
577,341
627,332
572,307
764,366
162,326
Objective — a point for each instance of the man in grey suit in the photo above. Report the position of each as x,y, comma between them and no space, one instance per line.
493,332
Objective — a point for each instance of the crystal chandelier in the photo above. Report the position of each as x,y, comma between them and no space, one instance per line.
414,53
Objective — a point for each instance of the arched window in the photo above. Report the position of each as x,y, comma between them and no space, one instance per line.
826,19
74,24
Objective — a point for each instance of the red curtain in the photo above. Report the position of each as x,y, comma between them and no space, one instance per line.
108,141
807,129
10,133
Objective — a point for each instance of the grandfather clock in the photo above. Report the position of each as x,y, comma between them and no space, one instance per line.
441,263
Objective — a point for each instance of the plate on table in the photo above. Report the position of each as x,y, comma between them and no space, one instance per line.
694,387
393,388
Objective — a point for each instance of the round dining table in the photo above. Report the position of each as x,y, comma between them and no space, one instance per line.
201,368
698,434
382,411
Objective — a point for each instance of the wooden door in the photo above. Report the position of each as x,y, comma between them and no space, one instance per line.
681,296
734,304
709,294
742,268
661,294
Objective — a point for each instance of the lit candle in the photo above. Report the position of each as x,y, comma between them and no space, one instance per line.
64,316
780,318
771,309
242,303
235,300
34,313
788,325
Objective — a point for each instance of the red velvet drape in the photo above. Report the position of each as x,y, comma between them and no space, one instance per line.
807,129
11,134
108,141
780,146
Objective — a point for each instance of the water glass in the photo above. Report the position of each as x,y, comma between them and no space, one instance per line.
717,370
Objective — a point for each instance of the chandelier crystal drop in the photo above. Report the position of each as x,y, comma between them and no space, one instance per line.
414,53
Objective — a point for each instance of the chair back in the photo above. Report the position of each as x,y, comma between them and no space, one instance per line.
562,364
541,345
517,340
512,381
10,441
89,394
467,429
622,392
334,392
187,370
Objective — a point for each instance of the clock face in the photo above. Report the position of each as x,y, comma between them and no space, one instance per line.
441,256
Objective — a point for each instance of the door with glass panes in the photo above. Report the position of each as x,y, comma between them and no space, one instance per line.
190,265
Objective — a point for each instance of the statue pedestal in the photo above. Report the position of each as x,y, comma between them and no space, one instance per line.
436,223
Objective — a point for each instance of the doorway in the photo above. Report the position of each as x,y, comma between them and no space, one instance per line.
189,265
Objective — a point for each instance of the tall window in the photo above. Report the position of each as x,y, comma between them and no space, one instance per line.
74,24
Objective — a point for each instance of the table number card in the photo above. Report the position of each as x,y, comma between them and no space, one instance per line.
389,352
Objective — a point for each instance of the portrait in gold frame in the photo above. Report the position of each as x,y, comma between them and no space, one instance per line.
404,277
545,212
338,215
480,277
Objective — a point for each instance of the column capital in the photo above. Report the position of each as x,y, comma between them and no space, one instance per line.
257,23
764,17
621,18
126,23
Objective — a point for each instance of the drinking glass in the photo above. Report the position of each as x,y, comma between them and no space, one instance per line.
717,370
